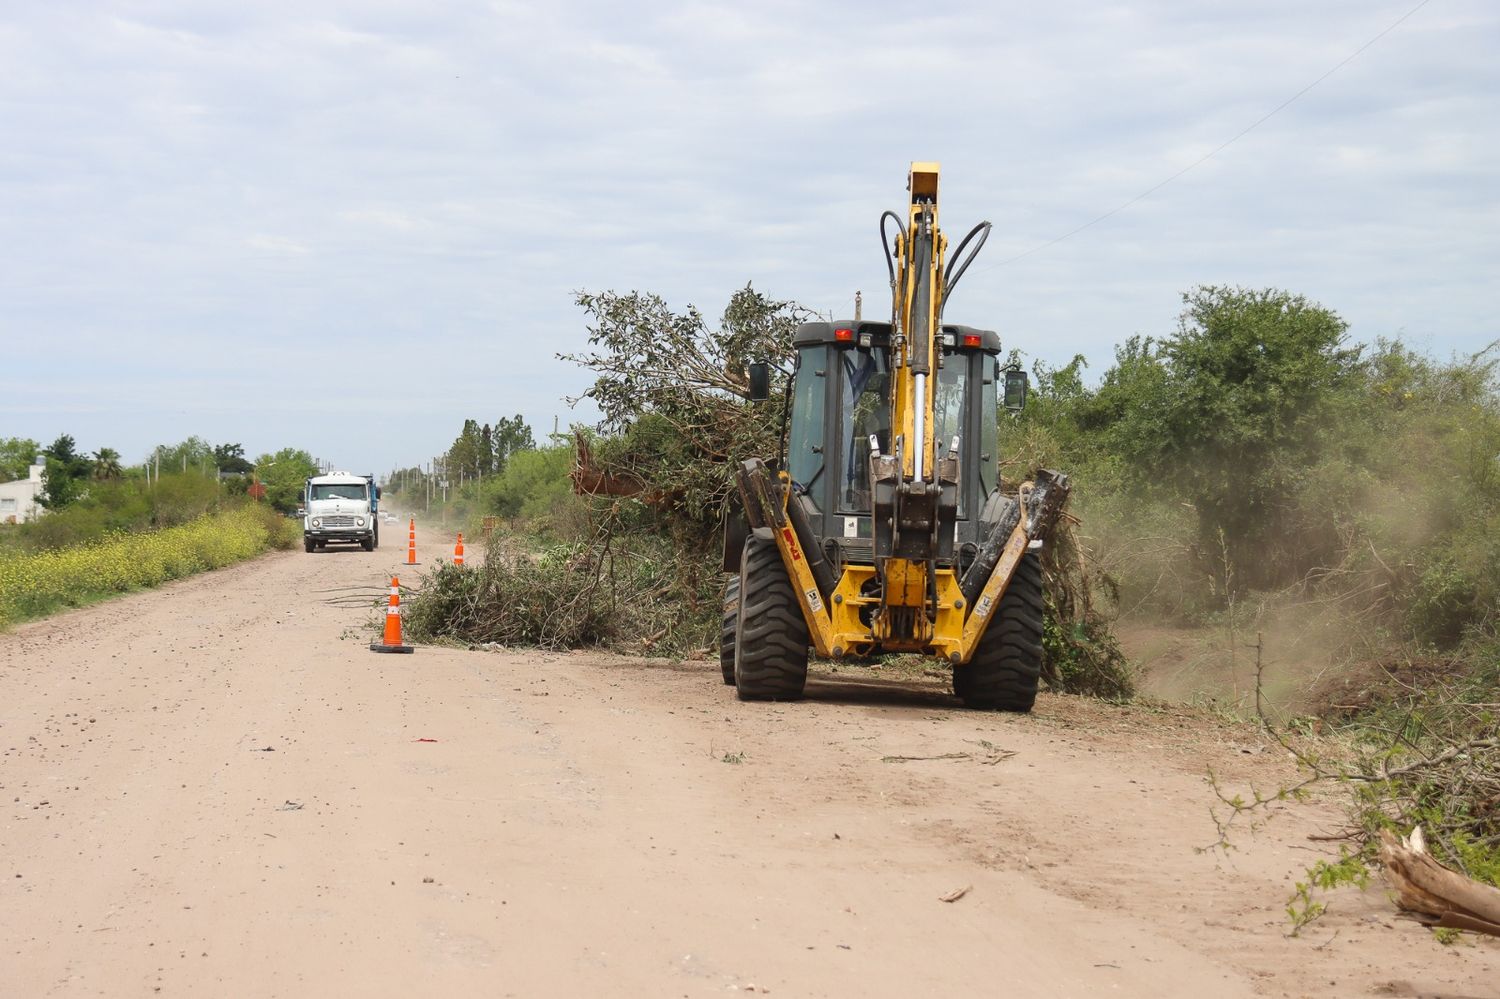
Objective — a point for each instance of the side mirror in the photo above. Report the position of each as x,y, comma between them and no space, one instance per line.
1016,385
760,381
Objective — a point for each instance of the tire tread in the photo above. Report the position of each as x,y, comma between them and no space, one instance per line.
771,638
1004,673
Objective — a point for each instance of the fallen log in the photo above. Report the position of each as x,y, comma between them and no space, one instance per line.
1433,894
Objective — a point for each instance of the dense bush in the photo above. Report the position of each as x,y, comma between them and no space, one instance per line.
1254,452
534,486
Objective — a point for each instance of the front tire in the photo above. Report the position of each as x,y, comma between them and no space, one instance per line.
727,628
771,640
368,544
1006,667
309,545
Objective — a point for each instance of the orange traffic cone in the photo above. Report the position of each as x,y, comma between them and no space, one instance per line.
411,542
458,550
391,641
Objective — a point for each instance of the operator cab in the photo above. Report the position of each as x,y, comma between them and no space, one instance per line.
841,386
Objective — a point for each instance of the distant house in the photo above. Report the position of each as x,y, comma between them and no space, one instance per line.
18,499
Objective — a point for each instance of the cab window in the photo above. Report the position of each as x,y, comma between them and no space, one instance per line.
805,437
865,401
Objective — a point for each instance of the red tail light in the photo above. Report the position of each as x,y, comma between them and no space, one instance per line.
843,335
973,340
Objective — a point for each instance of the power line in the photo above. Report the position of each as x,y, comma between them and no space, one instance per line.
1217,149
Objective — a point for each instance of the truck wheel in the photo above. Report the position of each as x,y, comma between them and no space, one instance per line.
368,544
308,545
1005,669
377,536
727,628
770,639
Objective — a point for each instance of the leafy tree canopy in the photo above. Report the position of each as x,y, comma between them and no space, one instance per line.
466,456
284,474
67,473
17,455
1228,414
107,464
231,458
509,436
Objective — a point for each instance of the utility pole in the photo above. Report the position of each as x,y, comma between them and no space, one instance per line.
859,306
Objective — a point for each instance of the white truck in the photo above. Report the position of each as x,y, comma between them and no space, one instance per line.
341,509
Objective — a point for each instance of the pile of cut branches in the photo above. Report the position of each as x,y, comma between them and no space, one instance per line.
1432,762
673,396
623,588
1437,765
1082,655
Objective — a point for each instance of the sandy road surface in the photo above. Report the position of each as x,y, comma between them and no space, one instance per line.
215,789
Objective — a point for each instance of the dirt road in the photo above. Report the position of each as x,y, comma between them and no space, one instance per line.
215,789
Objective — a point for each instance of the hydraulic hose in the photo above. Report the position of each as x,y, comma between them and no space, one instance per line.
885,240
959,263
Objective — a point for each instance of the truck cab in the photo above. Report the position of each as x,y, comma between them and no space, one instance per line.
341,508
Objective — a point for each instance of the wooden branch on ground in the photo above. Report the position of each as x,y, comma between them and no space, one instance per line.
1435,895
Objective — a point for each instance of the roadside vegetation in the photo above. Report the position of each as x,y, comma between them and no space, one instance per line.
34,584
106,528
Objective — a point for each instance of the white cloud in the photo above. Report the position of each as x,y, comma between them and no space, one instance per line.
229,198
277,244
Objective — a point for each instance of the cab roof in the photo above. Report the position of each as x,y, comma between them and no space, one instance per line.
340,478
823,332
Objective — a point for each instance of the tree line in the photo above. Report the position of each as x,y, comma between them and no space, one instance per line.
90,494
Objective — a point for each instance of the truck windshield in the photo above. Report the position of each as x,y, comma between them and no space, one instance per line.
336,490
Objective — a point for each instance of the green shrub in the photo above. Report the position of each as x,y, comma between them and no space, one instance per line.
534,485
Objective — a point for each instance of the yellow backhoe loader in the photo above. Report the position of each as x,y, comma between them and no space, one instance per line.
884,527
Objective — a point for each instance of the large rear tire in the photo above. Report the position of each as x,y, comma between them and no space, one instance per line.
1007,666
727,629
771,640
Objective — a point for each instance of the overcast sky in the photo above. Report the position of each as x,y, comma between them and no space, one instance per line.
348,226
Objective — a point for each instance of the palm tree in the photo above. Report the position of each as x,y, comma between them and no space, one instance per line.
107,464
